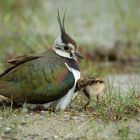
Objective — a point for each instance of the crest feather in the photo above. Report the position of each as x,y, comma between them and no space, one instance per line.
61,24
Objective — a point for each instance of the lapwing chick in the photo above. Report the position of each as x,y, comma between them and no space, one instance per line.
92,88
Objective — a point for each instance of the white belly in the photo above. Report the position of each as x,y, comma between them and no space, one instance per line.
64,101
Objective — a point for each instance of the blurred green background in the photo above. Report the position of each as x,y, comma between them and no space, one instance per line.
105,30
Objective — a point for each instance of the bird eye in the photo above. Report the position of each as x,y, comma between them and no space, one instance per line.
66,47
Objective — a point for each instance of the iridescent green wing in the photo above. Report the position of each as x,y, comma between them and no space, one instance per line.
40,80
53,81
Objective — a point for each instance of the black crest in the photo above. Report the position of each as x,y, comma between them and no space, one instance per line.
65,37
61,24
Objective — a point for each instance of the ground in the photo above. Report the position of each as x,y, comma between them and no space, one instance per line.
66,125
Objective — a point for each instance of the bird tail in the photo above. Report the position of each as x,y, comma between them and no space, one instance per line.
4,96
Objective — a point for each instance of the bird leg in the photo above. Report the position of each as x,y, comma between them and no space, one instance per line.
88,96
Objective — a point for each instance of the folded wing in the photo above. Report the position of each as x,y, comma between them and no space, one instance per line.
36,80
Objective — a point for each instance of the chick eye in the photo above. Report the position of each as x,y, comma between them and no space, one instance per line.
66,47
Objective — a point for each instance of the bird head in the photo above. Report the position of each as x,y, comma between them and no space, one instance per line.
65,45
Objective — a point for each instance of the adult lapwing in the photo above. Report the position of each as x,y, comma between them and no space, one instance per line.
47,78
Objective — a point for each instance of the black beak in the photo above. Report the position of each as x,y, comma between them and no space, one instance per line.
78,55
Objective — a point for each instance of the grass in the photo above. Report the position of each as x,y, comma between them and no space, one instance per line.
118,105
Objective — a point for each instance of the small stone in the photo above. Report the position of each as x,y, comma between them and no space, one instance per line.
43,112
41,117
27,116
138,119
4,136
75,117
23,123
56,136
31,114
15,115
66,115
7,130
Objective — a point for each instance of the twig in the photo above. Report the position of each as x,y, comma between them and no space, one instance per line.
78,128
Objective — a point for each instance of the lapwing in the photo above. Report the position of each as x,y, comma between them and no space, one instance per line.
47,78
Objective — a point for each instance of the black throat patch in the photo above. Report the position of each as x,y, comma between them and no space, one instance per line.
72,63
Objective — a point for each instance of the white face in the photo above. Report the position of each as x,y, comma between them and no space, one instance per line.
95,89
64,50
